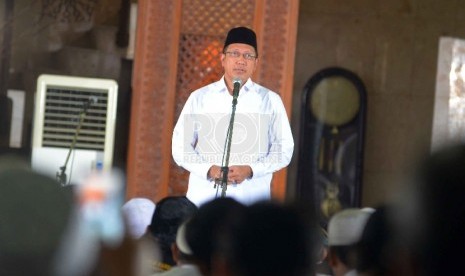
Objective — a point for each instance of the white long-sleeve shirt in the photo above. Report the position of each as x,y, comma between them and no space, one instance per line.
262,139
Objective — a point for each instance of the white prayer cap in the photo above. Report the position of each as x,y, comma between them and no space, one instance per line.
181,240
138,212
346,227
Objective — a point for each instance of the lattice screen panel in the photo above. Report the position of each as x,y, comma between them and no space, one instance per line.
199,64
215,17
151,101
205,24
272,58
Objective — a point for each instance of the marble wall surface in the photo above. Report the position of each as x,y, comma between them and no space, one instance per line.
449,103
393,47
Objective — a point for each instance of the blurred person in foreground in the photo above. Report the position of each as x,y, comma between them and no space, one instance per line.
170,213
199,240
344,231
182,255
273,239
34,215
138,213
376,255
97,243
209,230
430,215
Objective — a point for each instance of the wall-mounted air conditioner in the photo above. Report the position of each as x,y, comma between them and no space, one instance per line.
64,106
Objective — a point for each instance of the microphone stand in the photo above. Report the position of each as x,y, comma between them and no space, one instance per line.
61,174
225,161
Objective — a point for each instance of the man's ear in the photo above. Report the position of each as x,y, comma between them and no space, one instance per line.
220,266
332,258
175,252
222,59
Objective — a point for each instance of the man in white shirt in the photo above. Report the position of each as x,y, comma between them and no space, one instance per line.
261,143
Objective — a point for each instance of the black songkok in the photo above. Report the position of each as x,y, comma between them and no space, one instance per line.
241,35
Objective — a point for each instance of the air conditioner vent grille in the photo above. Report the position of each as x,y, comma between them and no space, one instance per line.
63,108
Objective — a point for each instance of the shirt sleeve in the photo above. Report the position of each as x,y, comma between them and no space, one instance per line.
184,140
281,142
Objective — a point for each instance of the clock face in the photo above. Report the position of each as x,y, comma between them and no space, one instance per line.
335,101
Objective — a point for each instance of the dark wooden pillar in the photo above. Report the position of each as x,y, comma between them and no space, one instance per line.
154,83
276,25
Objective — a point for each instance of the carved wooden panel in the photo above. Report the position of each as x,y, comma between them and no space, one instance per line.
273,33
199,64
69,11
153,97
276,26
216,17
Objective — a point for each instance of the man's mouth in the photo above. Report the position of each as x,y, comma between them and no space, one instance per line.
238,70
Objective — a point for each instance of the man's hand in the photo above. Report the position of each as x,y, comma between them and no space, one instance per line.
237,174
214,172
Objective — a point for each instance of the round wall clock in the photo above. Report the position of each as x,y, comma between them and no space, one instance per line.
331,143
335,101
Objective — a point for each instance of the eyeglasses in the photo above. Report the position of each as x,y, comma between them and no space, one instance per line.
236,54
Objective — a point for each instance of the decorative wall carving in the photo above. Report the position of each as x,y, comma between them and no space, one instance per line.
152,102
69,10
272,48
215,18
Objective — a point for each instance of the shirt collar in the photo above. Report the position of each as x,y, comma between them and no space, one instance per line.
248,86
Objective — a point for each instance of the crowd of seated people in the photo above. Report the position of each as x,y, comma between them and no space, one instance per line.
418,232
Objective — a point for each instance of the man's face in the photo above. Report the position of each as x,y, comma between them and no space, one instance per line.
241,66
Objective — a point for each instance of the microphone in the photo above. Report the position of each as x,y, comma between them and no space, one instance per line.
92,100
237,86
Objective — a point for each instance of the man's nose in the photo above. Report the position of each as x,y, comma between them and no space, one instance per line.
241,59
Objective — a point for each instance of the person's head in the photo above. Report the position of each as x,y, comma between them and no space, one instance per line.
207,229
344,231
274,239
374,250
430,217
240,55
138,213
34,215
169,213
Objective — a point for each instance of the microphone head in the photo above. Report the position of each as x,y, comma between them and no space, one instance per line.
237,81
93,99
237,85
